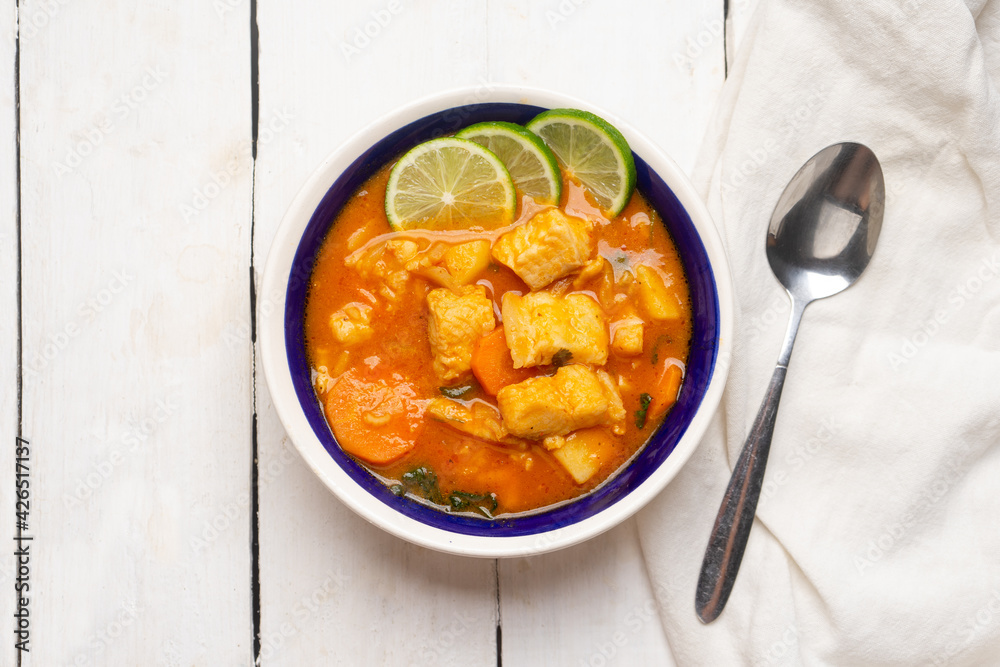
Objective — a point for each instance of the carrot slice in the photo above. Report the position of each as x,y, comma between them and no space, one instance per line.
377,421
492,365
666,389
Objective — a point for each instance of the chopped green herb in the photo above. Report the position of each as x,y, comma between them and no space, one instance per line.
562,357
484,503
662,338
455,392
424,482
640,414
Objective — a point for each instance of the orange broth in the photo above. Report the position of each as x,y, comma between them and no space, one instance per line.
526,476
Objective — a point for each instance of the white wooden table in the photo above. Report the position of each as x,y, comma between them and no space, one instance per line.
147,153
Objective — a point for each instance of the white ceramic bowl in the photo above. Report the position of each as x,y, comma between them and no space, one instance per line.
282,349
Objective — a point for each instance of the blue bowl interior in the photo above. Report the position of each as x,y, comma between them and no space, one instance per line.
704,298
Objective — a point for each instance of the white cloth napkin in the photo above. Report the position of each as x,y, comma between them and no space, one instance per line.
877,539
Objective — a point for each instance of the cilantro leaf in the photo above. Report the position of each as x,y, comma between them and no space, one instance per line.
640,414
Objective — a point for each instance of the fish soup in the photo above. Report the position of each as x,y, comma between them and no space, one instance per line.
500,371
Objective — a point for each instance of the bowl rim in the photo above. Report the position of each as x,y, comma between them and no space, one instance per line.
272,347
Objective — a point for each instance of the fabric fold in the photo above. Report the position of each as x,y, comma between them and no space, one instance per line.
876,540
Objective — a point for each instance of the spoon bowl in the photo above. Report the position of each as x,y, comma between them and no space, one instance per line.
826,223
820,239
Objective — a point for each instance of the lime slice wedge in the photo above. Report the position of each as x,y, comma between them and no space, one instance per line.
530,162
450,183
592,151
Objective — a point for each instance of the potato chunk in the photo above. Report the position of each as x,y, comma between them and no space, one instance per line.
457,321
538,326
656,300
467,260
350,324
626,341
547,247
583,452
575,397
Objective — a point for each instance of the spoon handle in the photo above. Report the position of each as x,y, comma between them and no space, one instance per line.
739,504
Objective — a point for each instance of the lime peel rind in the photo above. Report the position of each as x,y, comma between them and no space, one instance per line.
449,183
529,160
593,151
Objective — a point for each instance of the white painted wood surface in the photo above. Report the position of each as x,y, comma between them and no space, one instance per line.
142,211
137,408
8,325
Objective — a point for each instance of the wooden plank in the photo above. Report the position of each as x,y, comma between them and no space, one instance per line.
659,71
335,590
589,605
136,221
8,329
657,66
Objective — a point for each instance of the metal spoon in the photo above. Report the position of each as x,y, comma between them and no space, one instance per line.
822,235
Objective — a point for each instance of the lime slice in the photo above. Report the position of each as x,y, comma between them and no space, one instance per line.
530,162
450,183
592,151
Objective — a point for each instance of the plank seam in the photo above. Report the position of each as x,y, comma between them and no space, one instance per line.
254,82
499,639
254,466
725,37
17,233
